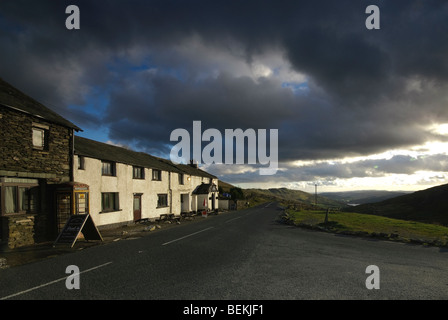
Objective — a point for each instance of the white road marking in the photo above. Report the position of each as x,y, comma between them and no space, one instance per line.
189,235
233,219
52,282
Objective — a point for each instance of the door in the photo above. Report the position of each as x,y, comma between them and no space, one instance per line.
137,207
213,201
63,209
185,203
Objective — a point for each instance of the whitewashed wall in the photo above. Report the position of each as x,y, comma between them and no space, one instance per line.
126,186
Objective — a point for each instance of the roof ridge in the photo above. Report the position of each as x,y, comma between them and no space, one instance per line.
92,148
11,97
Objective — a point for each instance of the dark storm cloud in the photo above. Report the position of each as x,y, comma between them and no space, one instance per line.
367,91
167,103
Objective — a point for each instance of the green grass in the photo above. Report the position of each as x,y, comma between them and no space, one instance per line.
355,223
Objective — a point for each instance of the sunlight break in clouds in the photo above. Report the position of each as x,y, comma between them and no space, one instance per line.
354,108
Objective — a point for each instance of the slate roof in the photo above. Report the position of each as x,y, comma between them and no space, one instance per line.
187,169
195,171
205,188
12,97
103,151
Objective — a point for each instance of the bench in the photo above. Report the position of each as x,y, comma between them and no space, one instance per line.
169,217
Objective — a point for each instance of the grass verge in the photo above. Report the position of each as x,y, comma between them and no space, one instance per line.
369,225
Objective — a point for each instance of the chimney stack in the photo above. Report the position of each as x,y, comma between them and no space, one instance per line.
193,164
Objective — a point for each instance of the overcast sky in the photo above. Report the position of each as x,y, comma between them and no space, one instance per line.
354,108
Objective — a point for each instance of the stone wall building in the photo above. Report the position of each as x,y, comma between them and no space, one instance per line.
36,147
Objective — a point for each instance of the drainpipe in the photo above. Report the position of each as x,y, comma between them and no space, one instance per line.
171,192
72,157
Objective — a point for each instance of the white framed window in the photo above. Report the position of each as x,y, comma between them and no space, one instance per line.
40,138
108,168
19,199
109,202
156,175
162,200
81,163
181,178
138,173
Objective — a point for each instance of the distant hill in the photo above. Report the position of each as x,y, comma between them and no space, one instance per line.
430,206
293,197
284,195
362,197
225,186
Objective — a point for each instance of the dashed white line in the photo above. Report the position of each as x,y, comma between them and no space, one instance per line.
189,235
267,205
51,282
233,219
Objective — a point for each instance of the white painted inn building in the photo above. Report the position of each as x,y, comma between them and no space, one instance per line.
126,186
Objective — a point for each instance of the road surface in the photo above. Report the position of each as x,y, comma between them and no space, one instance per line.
241,255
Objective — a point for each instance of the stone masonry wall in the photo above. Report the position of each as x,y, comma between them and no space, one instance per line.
20,229
19,159
16,146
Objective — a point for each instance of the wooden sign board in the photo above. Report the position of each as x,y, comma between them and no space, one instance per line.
76,224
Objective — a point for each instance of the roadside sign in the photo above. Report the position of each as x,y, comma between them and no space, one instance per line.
76,224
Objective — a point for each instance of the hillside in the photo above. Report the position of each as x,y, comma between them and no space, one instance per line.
225,186
292,197
430,206
362,196
297,198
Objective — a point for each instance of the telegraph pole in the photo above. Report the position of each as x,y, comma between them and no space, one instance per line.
315,194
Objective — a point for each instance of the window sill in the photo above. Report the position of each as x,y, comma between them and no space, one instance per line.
17,214
160,207
118,210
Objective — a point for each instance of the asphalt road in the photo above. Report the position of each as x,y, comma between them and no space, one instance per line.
235,256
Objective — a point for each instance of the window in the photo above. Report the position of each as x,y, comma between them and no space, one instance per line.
82,202
28,199
156,175
20,199
181,178
40,138
11,200
162,200
108,168
81,163
109,201
138,173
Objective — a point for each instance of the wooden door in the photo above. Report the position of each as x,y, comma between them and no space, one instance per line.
137,207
